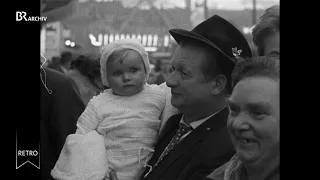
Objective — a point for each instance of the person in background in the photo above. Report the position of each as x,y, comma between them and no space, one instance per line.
54,63
65,62
266,34
60,102
254,122
85,71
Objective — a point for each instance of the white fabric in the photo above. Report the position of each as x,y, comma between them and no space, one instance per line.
108,49
129,125
195,124
169,110
83,157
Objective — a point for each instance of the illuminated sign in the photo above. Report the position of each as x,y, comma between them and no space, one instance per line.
151,41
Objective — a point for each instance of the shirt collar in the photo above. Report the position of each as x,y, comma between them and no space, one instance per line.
197,123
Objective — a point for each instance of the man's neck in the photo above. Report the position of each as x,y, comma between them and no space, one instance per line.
256,172
200,112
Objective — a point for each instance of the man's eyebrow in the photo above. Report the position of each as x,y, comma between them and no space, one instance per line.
259,105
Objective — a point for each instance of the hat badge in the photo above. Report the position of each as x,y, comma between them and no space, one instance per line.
236,52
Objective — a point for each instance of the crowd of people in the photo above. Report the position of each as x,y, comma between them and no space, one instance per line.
214,115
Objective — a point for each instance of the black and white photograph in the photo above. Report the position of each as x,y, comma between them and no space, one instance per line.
156,90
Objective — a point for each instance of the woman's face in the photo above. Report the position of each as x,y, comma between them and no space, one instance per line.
271,44
254,119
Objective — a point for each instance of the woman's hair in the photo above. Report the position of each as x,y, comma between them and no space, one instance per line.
269,24
256,66
88,67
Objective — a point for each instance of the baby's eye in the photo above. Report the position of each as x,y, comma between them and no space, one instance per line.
133,70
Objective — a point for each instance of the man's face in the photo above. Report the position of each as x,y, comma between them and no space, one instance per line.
126,76
187,82
271,45
254,119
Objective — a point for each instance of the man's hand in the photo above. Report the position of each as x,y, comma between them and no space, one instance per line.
113,175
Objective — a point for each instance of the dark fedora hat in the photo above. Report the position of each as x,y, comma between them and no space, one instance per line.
219,34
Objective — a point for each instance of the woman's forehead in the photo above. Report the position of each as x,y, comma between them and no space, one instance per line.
256,89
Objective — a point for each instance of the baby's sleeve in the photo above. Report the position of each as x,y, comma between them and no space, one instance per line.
168,110
89,120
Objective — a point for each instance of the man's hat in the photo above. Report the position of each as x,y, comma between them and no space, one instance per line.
219,34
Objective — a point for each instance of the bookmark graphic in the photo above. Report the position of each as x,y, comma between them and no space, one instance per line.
26,156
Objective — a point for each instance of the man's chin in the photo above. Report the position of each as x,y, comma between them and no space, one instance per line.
175,102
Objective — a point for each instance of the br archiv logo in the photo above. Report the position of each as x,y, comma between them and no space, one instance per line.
22,16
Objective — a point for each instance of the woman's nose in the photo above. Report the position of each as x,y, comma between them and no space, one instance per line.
239,123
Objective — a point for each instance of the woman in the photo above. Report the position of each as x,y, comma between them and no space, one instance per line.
266,34
254,122
86,73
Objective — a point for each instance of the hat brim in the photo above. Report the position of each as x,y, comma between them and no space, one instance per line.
181,34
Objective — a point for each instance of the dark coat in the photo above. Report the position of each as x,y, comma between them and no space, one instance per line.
206,148
59,114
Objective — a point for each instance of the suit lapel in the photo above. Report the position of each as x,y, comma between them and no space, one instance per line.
196,136
165,136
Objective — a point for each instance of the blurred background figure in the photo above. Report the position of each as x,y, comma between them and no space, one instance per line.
65,61
62,63
85,71
54,63
266,34
157,76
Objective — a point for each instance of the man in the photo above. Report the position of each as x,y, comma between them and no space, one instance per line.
196,141
65,62
60,106
266,34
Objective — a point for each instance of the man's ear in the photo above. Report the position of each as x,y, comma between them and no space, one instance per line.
219,83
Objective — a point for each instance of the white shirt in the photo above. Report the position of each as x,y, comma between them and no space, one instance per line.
195,124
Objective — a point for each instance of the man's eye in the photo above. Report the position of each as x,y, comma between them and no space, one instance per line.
184,73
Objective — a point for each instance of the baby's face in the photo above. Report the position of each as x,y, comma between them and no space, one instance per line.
126,75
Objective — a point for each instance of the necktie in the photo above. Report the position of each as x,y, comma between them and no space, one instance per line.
183,129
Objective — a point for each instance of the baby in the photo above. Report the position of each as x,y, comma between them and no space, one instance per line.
128,116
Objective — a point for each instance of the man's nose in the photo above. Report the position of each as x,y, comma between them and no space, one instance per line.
172,80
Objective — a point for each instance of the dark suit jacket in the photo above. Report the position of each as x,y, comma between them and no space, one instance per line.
59,114
206,148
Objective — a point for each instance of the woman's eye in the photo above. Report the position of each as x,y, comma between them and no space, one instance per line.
233,111
117,73
258,114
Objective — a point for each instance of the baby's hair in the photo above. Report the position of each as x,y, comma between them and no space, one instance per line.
121,54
